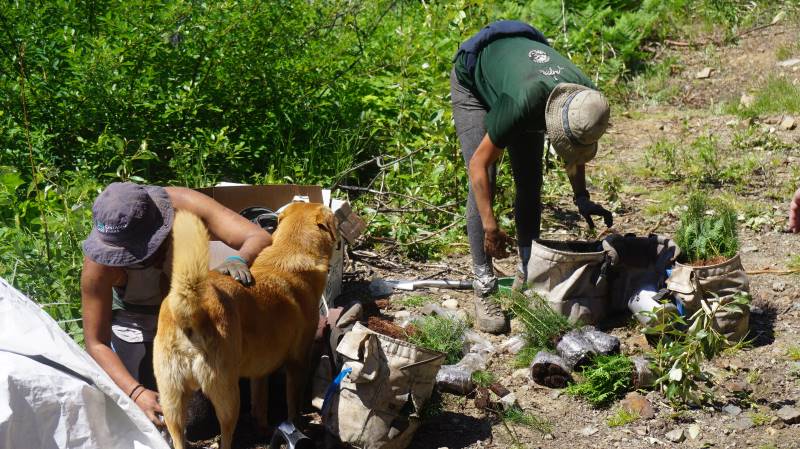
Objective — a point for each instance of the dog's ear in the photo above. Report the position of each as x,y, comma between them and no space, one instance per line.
326,222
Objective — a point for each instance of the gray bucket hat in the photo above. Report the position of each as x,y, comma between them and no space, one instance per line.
576,117
129,224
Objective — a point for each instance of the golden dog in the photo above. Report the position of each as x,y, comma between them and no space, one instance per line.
212,330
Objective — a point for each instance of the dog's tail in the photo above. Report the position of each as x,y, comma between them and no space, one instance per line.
189,265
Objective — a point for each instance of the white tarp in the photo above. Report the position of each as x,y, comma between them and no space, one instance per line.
53,394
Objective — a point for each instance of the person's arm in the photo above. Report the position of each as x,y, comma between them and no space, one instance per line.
577,179
794,212
96,284
495,240
226,225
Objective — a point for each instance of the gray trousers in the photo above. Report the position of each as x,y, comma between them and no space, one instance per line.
525,151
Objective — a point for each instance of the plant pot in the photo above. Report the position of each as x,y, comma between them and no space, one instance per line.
719,282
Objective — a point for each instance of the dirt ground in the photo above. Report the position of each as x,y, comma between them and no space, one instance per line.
647,204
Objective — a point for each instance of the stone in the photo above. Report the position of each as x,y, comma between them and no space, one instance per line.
778,286
451,304
521,373
693,431
747,100
636,403
509,401
589,431
738,387
788,123
402,314
750,249
641,431
743,423
732,410
704,73
675,435
789,415
549,436
555,394
789,62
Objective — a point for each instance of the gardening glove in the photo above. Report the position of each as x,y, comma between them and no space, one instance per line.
587,208
496,243
237,268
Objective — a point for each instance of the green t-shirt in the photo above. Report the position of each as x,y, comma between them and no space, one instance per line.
513,77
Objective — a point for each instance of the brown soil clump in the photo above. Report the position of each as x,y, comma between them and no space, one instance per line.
704,263
387,328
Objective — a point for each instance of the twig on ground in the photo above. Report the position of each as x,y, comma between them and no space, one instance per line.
432,234
773,271
401,195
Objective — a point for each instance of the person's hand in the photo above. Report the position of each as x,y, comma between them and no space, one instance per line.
237,268
147,400
496,243
587,208
794,213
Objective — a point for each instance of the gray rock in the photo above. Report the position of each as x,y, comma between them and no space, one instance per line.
789,415
732,410
675,435
788,123
451,304
743,423
747,100
693,431
589,431
704,73
789,62
778,286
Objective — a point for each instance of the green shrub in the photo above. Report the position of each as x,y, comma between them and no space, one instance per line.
607,378
707,230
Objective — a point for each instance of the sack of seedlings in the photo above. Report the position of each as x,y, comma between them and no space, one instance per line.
571,277
382,387
721,283
637,264
710,268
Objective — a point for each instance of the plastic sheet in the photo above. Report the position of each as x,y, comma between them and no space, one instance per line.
550,370
643,375
457,378
602,342
575,349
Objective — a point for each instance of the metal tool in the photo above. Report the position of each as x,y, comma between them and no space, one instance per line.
438,283
287,435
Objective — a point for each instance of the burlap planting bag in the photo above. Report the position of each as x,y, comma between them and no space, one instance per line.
379,402
714,283
637,263
571,277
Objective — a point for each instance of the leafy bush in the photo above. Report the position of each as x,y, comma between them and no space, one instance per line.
605,379
707,230
681,349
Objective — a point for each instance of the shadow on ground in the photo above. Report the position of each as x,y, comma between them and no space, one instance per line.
451,430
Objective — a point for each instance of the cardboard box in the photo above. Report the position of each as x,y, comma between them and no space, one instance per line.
238,197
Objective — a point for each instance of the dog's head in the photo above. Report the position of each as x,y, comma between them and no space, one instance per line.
314,223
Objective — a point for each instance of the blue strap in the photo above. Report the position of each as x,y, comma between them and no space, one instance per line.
239,258
334,386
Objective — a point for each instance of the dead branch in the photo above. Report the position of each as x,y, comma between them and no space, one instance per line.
400,195
773,271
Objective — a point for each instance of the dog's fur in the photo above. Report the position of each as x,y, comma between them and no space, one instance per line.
212,330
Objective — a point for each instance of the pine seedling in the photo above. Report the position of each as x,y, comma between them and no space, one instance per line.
707,230
440,334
